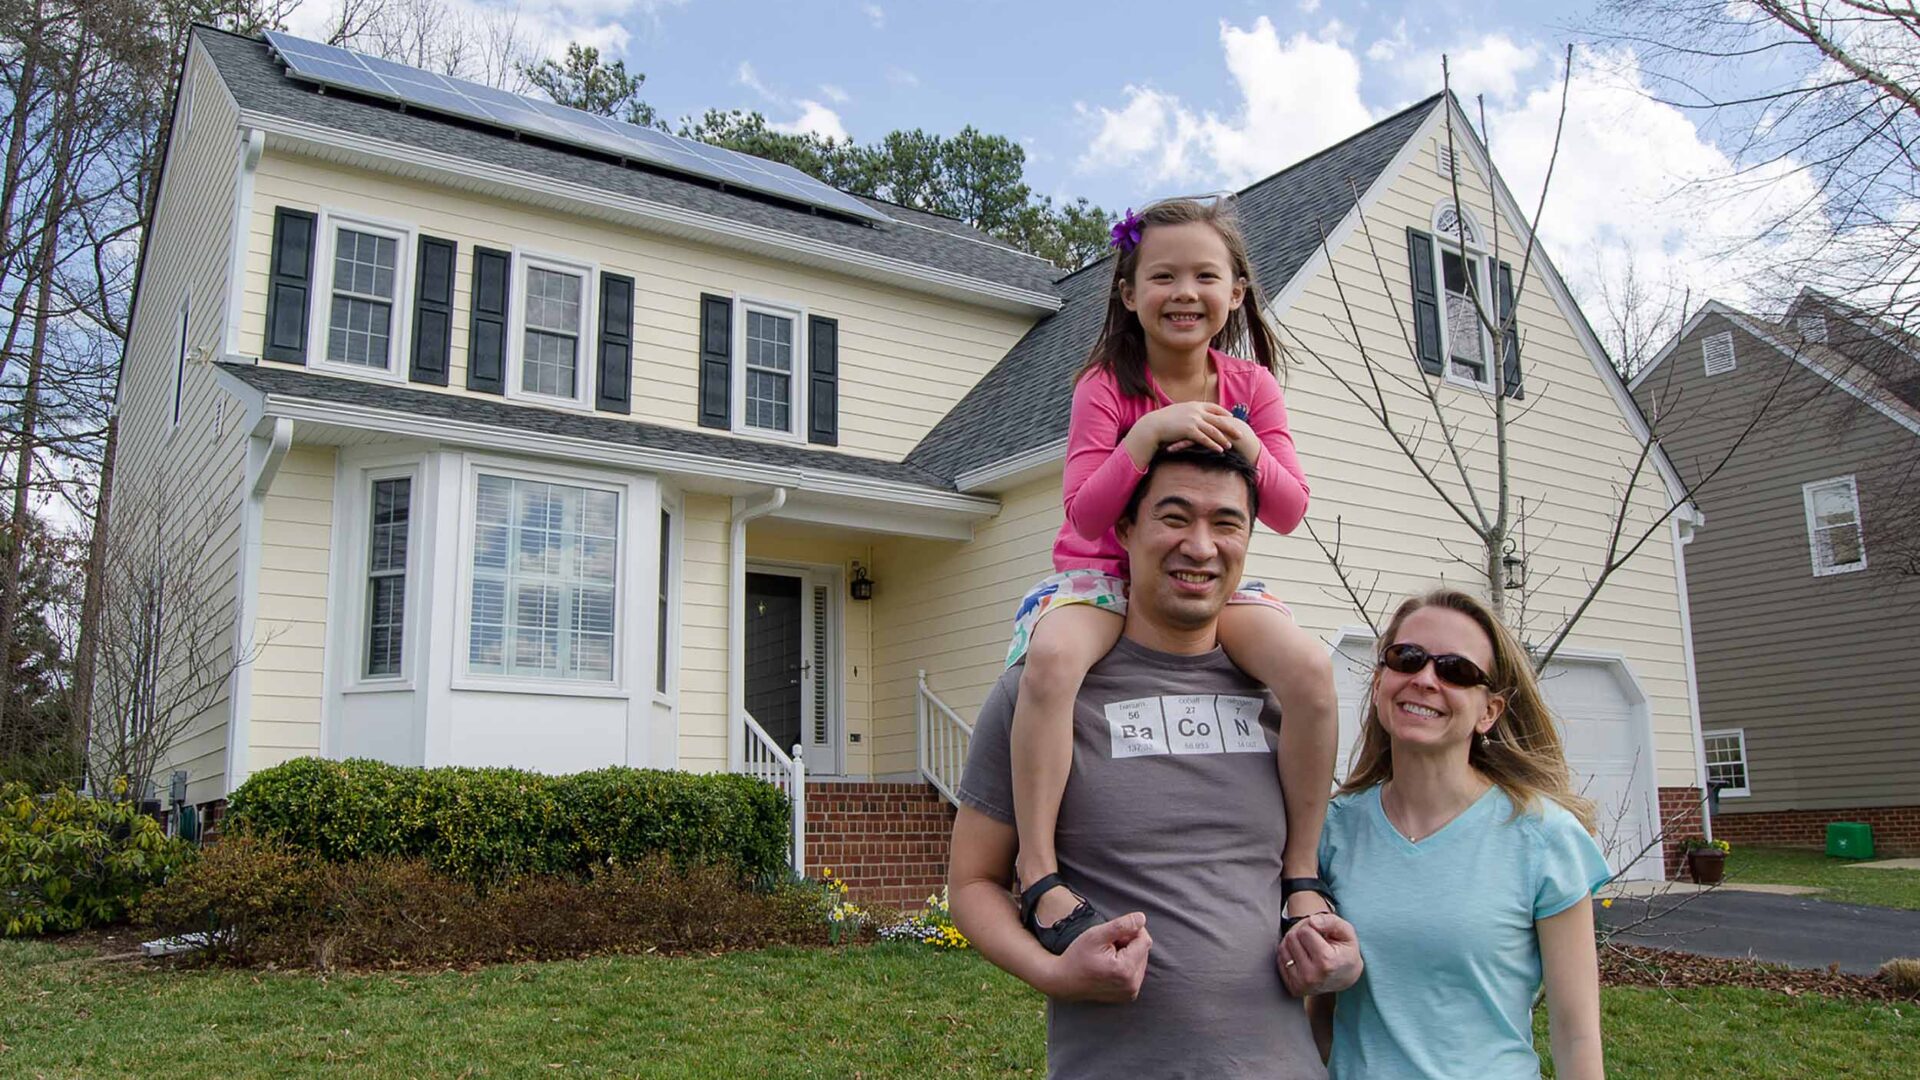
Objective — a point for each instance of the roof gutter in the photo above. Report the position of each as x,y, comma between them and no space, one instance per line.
315,140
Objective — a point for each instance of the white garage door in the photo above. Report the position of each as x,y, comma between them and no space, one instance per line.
1604,723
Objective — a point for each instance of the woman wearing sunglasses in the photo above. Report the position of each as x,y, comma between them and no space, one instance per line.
1464,861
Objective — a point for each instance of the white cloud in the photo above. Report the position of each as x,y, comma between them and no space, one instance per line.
1308,7
1494,65
1297,96
815,118
874,14
545,25
834,94
902,77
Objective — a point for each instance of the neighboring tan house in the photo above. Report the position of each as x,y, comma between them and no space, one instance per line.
1805,593
525,451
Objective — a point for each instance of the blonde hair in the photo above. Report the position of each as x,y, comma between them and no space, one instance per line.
1121,350
1521,753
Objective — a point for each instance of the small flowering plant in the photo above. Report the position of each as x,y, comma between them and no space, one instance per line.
932,926
1700,843
844,918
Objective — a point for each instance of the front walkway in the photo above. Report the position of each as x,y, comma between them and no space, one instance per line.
1790,930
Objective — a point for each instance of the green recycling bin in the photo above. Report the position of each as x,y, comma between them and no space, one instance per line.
1850,839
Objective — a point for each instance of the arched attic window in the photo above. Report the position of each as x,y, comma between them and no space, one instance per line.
1455,284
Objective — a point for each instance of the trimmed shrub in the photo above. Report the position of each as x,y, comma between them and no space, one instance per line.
485,826
69,861
262,903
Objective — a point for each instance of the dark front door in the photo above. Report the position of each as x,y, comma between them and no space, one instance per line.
774,652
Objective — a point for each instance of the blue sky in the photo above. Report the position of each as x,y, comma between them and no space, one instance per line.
1123,101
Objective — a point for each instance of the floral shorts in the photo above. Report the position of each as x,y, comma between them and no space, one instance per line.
1102,590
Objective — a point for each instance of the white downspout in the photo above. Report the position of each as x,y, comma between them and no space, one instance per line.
743,512
265,453
1683,531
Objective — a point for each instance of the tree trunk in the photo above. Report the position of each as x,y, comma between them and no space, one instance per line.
87,649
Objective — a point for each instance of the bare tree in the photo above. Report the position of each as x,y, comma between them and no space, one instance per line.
1444,436
166,649
1638,314
493,48
1823,90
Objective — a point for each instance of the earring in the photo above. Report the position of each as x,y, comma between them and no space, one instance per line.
1485,742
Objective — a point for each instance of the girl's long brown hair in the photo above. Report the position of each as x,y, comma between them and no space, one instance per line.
1522,752
1121,350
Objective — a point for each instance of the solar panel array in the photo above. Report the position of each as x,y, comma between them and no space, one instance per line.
330,65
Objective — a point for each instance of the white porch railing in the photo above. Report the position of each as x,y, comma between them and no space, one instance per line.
943,739
763,759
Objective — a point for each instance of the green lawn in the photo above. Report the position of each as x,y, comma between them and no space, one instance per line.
885,1011
1842,879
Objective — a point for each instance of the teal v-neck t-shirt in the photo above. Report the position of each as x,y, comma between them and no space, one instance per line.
1446,927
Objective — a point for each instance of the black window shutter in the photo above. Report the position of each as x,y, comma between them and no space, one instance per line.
290,283
716,361
614,382
433,312
1426,303
1510,363
823,381
487,333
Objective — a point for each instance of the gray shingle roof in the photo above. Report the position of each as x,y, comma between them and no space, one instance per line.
613,430
260,83
1022,403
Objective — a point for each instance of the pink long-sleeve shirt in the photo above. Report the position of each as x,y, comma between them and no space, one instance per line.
1100,474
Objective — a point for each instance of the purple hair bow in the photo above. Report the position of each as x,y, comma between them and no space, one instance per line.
1126,232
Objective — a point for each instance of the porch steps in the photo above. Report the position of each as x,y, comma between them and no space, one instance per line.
887,841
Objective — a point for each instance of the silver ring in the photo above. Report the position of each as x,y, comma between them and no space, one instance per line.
1289,963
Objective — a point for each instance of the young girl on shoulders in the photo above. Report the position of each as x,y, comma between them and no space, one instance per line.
1183,295
1464,861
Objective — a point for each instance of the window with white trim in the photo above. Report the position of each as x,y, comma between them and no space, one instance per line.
1464,292
391,511
545,570
1727,761
365,290
553,326
662,657
1716,352
1833,526
770,370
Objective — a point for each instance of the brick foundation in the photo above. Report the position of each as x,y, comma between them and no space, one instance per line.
888,842
1896,829
1679,819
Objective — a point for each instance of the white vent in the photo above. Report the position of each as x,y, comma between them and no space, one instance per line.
821,652
1718,351
1443,160
1813,328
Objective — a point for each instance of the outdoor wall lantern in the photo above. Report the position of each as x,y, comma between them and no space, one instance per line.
1516,567
861,587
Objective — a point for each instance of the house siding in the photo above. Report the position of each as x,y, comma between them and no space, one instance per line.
290,621
702,705
195,469
1827,701
904,358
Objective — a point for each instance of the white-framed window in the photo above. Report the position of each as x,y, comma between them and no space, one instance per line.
362,320
180,356
1727,761
770,370
1833,526
1716,352
555,303
663,629
1464,291
544,582
389,538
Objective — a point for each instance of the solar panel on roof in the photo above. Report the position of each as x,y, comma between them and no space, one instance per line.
330,65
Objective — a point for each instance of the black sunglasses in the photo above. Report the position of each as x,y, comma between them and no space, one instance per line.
1451,667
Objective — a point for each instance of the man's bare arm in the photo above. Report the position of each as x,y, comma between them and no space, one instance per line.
1107,963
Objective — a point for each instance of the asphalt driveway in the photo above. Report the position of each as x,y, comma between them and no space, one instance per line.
1794,930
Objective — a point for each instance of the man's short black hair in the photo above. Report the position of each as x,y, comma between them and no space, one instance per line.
1211,460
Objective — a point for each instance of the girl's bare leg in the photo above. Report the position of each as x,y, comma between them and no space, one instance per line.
1064,644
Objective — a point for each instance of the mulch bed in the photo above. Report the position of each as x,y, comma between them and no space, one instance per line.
1627,965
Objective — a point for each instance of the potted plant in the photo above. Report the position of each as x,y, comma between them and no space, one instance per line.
1706,859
